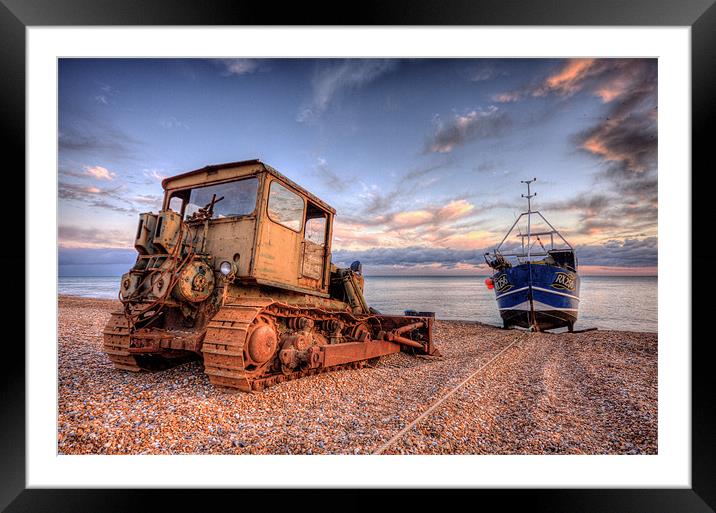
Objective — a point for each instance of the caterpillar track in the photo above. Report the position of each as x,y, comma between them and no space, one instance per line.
117,342
231,339
118,347
224,343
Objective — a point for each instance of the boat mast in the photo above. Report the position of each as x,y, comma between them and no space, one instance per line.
529,214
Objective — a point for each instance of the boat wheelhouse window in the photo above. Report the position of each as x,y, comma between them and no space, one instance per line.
233,199
285,207
564,258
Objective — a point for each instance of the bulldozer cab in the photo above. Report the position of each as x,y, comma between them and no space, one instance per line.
248,216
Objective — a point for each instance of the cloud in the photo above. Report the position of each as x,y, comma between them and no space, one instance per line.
73,191
431,224
106,88
625,144
378,201
155,174
607,79
148,199
630,143
626,138
507,97
333,78
408,256
107,92
104,204
401,214
623,141
492,167
618,211
94,137
630,253
95,197
329,177
569,79
483,72
421,172
239,66
591,204
85,237
99,172
454,210
463,128
620,253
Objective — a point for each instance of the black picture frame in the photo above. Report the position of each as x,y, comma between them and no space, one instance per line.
17,15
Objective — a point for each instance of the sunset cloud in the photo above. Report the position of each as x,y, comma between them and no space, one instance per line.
630,253
73,191
455,210
428,225
628,141
508,97
412,218
607,79
570,79
98,238
96,197
625,144
99,172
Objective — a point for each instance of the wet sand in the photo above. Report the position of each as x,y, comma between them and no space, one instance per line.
580,393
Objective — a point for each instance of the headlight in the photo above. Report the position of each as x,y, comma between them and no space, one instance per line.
226,268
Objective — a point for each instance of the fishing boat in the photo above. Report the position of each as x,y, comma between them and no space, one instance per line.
535,287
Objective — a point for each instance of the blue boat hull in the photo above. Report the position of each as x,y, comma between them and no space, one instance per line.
540,295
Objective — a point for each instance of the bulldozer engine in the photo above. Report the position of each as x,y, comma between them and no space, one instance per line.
236,269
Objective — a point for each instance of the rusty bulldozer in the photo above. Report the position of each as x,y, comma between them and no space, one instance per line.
236,269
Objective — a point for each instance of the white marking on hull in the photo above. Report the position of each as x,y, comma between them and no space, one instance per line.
511,292
555,292
539,307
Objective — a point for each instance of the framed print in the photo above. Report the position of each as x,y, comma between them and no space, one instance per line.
420,253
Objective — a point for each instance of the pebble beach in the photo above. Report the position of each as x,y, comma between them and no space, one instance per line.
528,393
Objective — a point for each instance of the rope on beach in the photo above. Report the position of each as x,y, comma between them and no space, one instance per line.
437,403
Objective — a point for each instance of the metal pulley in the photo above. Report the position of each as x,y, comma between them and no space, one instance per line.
160,283
195,283
129,284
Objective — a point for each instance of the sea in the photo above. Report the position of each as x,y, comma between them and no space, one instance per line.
627,303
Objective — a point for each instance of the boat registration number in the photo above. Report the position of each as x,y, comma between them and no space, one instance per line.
502,283
564,281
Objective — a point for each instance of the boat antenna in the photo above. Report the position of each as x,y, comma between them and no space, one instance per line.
529,197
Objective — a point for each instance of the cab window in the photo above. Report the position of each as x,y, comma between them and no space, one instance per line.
316,228
176,203
232,199
285,207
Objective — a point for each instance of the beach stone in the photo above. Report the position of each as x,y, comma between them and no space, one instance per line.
582,393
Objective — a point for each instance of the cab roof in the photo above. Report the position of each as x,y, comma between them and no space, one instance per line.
166,183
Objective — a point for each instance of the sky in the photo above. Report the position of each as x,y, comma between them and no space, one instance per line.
422,158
